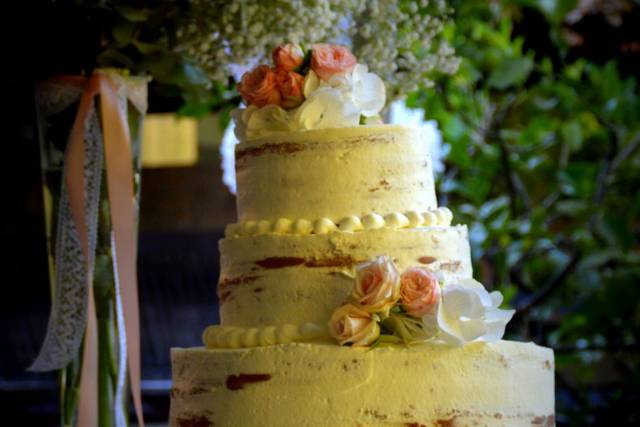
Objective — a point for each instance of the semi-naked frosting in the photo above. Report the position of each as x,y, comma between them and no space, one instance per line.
315,384
312,206
276,279
334,173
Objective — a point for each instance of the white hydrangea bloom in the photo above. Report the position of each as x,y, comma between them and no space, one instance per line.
400,114
227,154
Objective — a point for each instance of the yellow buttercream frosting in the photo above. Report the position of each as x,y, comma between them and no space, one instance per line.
335,173
273,279
504,384
218,336
312,205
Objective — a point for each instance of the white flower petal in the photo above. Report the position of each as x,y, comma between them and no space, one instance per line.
478,289
458,302
311,83
498,315
472,329
470,284
495,331
308,113
265,120
369,93
448,326
467,313
496,298
326,108
340,81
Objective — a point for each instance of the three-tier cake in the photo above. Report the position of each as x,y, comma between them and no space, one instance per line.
315,203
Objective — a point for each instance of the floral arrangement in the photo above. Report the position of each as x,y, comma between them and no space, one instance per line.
415,306
322,87
403,42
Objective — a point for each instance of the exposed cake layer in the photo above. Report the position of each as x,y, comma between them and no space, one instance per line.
500,384
275,279
334,173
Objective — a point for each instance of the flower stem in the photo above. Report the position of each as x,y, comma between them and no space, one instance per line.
105,344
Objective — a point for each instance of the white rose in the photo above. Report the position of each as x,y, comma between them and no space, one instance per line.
467,312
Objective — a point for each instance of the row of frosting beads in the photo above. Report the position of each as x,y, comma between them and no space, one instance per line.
441,216
350,223
218,336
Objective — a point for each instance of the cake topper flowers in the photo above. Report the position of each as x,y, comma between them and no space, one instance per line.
322,87
415,307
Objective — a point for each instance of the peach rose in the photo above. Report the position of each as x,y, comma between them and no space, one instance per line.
377,286
290,84
259,87
287,57
419,291
327,60
351,324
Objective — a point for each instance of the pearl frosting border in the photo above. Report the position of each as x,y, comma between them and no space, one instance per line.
441,216
218,336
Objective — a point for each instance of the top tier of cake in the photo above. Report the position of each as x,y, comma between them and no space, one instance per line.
334,173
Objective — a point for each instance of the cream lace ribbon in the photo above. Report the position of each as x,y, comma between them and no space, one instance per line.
72,312
68,315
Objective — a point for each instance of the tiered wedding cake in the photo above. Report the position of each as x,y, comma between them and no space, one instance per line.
340,241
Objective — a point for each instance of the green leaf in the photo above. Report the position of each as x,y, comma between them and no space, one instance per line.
133,14
598,258
123,32
146,48
572,134
511,72
115,58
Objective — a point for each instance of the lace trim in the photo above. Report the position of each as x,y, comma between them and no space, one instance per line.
69,307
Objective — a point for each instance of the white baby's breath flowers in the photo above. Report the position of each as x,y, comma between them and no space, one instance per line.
400,41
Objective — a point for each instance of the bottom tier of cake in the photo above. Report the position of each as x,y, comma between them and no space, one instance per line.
301,384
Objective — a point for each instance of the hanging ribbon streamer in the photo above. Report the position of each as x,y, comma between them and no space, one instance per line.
73,310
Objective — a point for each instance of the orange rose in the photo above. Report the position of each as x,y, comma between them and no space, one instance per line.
377,286
350,324
290,85
259,87
287,57
327,60
419,291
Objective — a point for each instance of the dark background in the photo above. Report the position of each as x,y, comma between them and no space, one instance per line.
183,212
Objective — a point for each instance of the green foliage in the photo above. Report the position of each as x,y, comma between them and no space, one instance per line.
544,165
76,37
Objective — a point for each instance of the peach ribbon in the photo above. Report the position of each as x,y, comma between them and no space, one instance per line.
119,165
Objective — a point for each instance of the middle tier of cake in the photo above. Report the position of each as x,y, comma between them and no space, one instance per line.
278,279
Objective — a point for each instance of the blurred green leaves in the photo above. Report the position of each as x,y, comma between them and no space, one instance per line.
543,163
140,36
510,72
